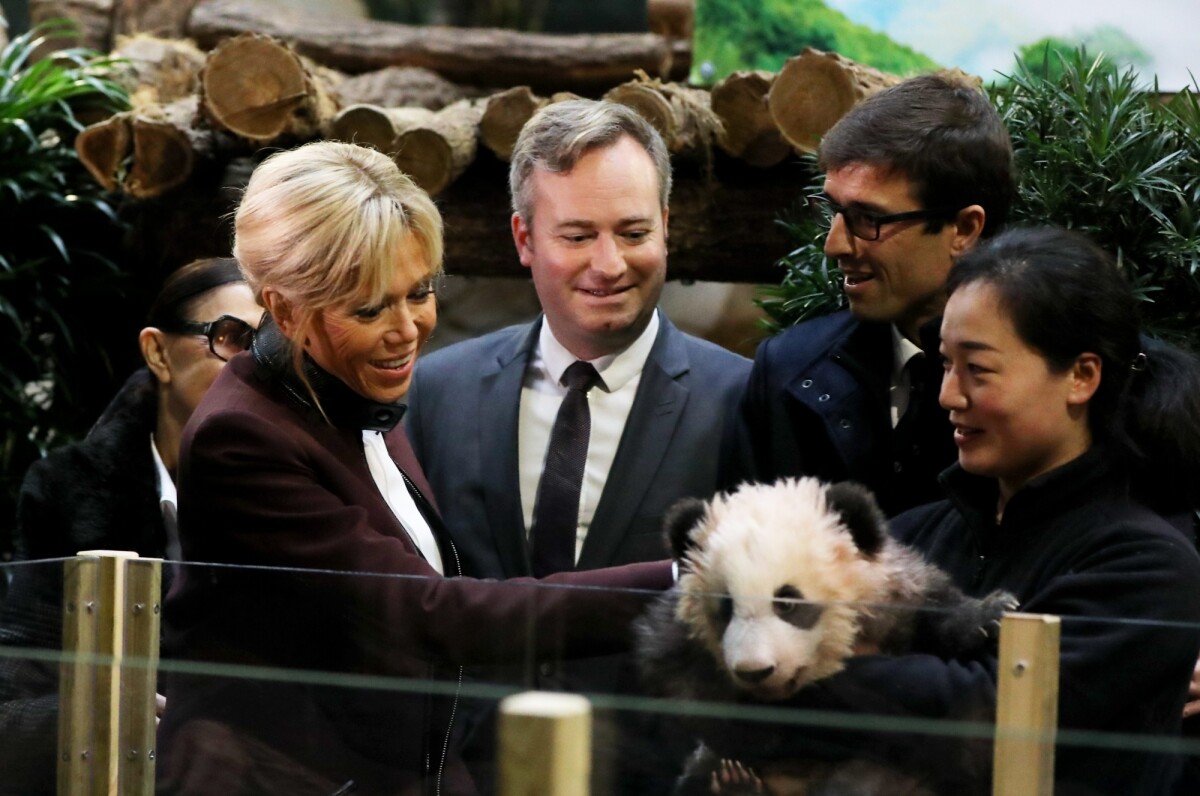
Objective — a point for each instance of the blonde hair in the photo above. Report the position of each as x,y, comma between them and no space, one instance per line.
323,224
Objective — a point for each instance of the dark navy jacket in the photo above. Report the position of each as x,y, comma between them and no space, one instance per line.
818,404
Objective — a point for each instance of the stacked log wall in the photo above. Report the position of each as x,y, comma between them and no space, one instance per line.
735,149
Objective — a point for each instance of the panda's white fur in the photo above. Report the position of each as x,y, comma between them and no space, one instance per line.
757,541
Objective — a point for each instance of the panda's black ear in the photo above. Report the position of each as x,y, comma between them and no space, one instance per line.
678,523
855,504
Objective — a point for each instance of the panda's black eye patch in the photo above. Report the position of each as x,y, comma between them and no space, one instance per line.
791,607
722,610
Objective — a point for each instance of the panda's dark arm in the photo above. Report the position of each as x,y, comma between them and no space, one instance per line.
915,712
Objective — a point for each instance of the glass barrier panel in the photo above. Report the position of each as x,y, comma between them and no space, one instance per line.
36,674
308,681
290,681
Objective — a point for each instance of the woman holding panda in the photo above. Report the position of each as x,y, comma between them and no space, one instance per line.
1076,435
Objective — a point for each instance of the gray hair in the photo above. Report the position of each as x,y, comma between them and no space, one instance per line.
561,133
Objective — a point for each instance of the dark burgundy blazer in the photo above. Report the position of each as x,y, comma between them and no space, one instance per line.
267,481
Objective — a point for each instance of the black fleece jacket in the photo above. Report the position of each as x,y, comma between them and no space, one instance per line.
1124,581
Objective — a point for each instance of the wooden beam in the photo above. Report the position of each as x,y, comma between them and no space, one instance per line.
142,610
1026,705
545,744
77,758
89,695
106,720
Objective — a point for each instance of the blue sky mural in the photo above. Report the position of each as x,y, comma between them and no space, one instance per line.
1160,37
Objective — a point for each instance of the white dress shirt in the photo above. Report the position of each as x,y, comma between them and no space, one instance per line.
168,504
609,404
391,485
903,351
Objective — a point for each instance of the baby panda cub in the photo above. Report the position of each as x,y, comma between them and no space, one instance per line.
779,584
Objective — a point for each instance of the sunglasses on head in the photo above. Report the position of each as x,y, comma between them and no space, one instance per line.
226,335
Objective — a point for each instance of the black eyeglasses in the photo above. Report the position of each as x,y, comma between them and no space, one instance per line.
864,224
226,335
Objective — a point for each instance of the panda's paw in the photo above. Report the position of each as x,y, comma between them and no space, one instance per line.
731,778
972,626
990,610
995,606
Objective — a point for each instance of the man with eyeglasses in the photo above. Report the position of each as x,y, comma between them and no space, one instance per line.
914,176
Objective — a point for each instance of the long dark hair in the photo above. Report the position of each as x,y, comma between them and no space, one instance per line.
1066,297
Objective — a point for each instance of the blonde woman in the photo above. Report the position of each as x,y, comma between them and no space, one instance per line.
296,459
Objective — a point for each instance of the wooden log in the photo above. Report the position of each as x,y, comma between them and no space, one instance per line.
94,18
400,87
167,140
103,147
673,20
472,56
814,89
432,148
437,152
373,126
683,115
158,70
503,117
748,131
148,151
259,89
166,18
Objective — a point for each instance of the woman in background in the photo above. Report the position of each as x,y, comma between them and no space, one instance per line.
112,490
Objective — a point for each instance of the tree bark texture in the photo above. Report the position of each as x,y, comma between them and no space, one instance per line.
159,70
748,131
814,89
148,151
474,56
259,89
503,117
400,87
166,18
682,115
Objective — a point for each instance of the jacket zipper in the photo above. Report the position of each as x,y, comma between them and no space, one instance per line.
458,686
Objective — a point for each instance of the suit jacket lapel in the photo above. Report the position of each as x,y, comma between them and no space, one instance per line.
499,410
657,408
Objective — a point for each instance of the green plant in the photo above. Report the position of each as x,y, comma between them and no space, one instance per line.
809,287
1096,153
1093,152
59,291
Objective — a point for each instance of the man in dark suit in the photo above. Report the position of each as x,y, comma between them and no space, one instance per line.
914,176
590,183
